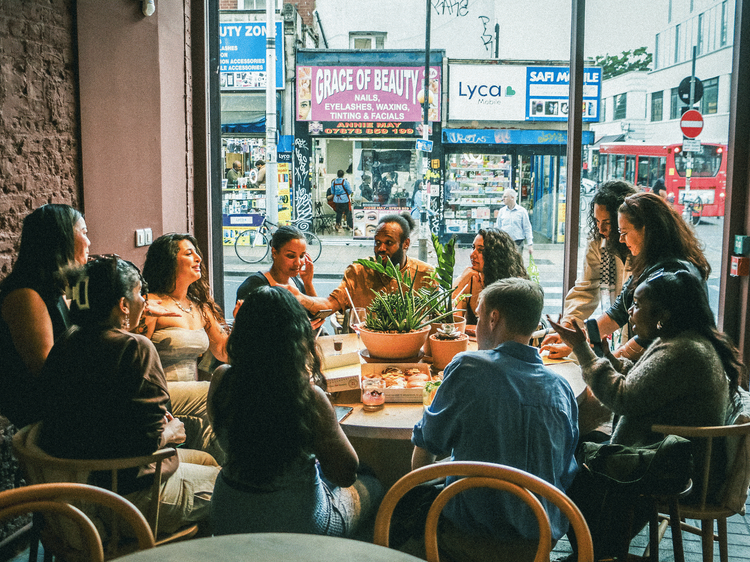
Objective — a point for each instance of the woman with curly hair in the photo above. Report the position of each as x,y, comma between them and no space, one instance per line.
494,257
176,274
658,239
604,267
289,466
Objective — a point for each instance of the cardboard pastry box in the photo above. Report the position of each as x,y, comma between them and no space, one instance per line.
397,394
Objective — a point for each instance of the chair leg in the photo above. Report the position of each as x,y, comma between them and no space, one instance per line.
707,539
721,523
653,534
674,521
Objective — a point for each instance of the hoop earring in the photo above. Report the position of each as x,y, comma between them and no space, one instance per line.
659,325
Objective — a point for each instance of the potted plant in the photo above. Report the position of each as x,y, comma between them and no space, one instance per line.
446,343
443,286
398,322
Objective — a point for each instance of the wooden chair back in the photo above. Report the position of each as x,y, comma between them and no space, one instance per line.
482,474
738,467
41,468
55,498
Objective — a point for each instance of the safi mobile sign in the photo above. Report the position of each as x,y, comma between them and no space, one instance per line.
547,93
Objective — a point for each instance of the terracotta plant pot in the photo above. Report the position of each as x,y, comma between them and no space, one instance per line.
443,351
460,326
394,345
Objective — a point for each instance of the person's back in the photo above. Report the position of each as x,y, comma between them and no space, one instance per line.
508,409
501,405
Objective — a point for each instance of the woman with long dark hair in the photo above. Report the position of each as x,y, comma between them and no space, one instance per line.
33,311
176,274
494,257
658,239
686,377
104,396
605,264
289,466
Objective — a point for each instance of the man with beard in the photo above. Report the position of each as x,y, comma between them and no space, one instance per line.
604,270
391,241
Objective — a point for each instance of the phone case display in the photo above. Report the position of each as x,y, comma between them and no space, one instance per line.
245,196
481,180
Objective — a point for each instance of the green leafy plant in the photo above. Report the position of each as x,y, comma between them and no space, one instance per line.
404,309
442,280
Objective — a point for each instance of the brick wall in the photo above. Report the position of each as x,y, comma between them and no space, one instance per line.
39,125
305,9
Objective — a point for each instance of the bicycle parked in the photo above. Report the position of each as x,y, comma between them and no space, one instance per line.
694,206
254,245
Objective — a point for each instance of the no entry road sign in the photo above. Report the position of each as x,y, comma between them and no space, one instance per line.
691,123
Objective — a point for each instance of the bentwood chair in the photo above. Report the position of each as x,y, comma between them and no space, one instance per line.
41,468
733,493
487,475
59,499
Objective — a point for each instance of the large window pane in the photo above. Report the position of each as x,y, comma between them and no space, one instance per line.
710,100
657,105
621,106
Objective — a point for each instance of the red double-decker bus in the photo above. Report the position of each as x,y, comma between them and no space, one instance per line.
643,164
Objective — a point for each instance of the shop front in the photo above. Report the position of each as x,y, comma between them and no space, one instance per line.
361,113
523,146
480,164
243,125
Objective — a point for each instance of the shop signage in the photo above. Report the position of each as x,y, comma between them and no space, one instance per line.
365,93
424,145
510,136
481,92
365,128
547,93
242,48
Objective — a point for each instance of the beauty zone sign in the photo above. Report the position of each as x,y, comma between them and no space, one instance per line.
365,93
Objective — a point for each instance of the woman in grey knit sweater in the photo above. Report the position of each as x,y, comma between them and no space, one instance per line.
687,376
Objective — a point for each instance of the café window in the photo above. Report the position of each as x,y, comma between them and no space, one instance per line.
710,99
674,105
657,105
621,106
366,40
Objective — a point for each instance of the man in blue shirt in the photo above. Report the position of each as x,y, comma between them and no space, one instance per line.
514,220
502,405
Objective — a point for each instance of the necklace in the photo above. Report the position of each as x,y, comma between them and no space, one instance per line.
188,310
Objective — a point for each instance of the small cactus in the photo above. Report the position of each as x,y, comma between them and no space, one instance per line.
447,332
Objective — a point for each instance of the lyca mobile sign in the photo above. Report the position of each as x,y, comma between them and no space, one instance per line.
517,93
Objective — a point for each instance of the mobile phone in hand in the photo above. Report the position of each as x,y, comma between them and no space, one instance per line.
322,314
592,328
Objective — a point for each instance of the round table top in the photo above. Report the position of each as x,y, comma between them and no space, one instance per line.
396,420
270,547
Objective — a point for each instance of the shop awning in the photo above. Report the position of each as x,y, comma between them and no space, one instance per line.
510,136
257,126
609,138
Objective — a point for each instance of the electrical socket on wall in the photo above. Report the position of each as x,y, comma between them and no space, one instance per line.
149,236
140,238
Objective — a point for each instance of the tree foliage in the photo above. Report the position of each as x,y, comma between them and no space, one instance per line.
614,65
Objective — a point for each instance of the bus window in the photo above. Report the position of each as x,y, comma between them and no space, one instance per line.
643,171
618,170
706,164
657,167
630,169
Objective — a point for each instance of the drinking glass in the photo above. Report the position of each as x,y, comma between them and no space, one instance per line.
338,344
361,313
373,394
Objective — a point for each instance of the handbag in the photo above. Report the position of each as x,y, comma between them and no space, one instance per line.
663,468
329,199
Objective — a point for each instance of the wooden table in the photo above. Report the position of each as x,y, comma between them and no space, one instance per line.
270,547
382,438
